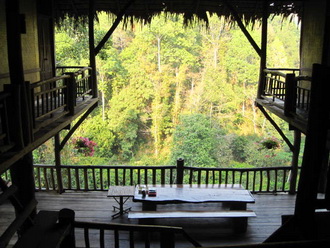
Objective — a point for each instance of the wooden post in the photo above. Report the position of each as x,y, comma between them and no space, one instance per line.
16,71
15,60
179,171
92,59
294,162
71,92
14,115
315,150
66,217
22,175
167,239
58,163
263,57
290,94
324,173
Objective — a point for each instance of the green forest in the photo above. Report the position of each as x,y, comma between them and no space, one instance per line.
170,91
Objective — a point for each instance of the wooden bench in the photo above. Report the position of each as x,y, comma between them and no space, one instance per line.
239,216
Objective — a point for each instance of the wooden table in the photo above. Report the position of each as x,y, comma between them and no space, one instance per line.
234,196
121,194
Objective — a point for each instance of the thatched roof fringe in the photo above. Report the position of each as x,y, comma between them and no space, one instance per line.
193,11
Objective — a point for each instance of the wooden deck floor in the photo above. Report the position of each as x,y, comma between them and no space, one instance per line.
97,207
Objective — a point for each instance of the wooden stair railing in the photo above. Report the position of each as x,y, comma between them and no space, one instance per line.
22,214
165,240
290,244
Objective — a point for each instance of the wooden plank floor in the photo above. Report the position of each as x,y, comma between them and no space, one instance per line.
97,207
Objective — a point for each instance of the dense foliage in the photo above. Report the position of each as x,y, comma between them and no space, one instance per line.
170,91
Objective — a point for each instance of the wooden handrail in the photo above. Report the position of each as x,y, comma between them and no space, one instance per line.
98,178
286,87
167,238
285,244
50,80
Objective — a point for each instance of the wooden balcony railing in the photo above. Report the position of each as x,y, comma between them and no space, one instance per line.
287,90
167,235
82,78
49,97
60,95
31,112
98,178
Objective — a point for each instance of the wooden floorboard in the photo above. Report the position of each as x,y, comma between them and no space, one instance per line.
97,207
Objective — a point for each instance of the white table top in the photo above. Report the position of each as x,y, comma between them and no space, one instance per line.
196,194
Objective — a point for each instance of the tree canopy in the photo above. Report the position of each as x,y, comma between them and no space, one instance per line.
171,91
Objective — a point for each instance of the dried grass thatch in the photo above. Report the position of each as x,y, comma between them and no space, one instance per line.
194,11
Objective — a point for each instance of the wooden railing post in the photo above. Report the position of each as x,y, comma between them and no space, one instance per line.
66,217
294,162
71,92
167,240
179,171
58,163
290,94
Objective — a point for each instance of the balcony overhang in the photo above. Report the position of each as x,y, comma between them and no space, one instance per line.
44,134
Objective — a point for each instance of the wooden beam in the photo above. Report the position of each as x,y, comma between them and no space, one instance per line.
243,28
17,223
15,59
92,59
58,163
315,150
294,161
278,129
263,52
113,27
22,174
77,124
16,71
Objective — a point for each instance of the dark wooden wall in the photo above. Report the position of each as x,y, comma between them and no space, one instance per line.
312,34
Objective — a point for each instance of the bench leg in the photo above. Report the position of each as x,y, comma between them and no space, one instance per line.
240,224
238,206
148,206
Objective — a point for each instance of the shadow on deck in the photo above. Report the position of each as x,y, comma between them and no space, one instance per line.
97,207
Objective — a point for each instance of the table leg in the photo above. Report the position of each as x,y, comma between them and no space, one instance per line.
121,205
121,209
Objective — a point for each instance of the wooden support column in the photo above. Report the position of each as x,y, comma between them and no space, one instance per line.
92,59
58,163
327,190
16,71
324,172
263,55
315,151
294,161
22,175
